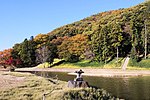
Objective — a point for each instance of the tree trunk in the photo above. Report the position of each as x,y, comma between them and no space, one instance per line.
117,55
145,41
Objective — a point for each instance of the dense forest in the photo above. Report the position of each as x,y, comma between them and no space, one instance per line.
100,38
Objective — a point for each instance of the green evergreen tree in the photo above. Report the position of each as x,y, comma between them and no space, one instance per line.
116,38
31,52
24,53
27,53
106,52
147,32
96,43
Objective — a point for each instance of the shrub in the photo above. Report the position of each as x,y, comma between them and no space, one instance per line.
88,94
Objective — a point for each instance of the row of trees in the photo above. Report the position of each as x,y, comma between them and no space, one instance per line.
42,49
34,51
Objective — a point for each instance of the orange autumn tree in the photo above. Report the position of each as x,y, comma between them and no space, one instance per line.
41,39
72,49
7,59
5,55
58,41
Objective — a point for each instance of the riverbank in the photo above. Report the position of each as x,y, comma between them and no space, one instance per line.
26,86
93,72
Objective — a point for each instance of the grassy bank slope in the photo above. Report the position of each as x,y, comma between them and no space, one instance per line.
143,64
33,88
83,64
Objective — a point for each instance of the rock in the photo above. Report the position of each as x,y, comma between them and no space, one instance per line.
77,84
78,81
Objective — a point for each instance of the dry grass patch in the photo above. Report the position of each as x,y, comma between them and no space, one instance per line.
32,88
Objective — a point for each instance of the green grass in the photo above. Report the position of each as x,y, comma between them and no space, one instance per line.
133,65
88,64
46,64
143,64
43,65
81,64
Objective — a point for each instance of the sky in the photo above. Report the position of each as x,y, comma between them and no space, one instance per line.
20,19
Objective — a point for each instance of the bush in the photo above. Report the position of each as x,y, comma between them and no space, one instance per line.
88,94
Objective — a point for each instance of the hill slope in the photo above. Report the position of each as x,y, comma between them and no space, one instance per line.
88,24
122,29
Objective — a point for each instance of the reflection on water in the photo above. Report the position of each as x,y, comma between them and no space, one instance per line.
133,88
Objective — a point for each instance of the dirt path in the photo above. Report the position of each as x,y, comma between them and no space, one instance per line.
94,72
125,63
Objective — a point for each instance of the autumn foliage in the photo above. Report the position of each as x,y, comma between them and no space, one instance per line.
5,55
73,48
7,59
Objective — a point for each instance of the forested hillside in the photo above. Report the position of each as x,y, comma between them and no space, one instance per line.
100,37
122,29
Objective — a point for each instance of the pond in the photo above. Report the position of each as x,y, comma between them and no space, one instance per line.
131,88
